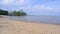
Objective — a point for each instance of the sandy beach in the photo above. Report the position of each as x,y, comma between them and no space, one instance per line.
8,26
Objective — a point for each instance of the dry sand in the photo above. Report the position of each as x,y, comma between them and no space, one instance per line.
8,26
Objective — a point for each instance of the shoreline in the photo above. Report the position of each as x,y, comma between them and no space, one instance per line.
53,23
17,27
36,22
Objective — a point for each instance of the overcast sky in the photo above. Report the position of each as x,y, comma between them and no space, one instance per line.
33,7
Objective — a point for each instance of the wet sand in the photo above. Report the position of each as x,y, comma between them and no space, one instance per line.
8,26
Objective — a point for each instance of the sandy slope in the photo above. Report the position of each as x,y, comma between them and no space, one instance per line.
16,27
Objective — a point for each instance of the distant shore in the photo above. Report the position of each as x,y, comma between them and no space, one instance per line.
17,27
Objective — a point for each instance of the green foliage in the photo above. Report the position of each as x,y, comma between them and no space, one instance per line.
3,12
13,13
18,13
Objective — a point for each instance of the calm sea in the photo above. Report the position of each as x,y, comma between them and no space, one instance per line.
37,19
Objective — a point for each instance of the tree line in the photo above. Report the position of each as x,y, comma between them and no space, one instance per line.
13,13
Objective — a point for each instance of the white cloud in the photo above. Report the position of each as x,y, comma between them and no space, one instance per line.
14,2
41,7
27,2
21,1
24,2
7,1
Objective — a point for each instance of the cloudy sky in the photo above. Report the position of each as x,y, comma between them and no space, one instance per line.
33,7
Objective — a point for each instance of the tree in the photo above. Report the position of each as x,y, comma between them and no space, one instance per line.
18,13
3,12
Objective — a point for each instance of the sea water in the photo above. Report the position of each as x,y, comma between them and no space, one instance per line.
37,19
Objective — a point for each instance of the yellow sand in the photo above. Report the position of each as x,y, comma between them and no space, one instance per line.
8,26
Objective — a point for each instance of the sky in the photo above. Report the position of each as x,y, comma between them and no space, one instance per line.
32,7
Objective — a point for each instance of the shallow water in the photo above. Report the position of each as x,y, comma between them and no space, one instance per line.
45,19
